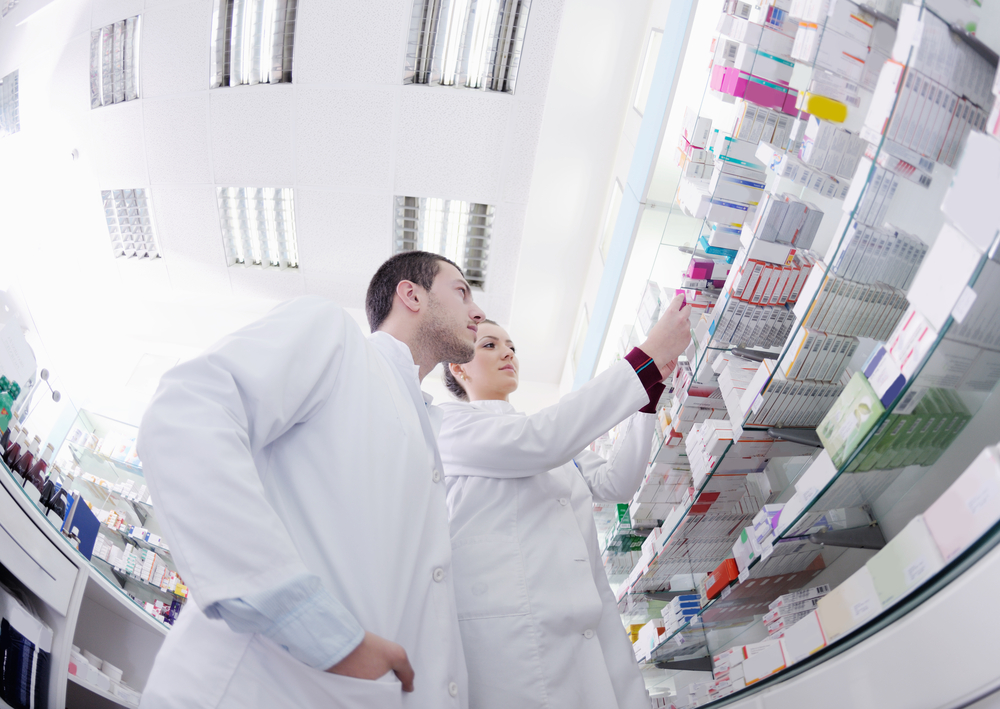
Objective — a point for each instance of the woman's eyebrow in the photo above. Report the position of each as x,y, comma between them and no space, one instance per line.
487,337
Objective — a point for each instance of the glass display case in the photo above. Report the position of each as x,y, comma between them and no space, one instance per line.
98,461
773,478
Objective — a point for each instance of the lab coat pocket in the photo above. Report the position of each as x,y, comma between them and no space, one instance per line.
489,577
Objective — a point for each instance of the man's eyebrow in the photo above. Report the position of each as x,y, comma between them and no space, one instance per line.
463,282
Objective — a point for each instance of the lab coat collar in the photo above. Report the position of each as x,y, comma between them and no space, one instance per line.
496,406
399,354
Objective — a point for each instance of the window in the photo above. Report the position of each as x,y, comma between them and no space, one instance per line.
129,225
252,42
471,43
258,226
610,219
10,117
459,231
114,63
647,71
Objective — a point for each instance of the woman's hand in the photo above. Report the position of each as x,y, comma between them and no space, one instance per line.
669,336
374,657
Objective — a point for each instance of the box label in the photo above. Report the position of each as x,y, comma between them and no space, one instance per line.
916,571
860,610
976,502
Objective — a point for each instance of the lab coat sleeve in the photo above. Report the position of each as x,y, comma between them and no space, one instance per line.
202,442
483,444
617,478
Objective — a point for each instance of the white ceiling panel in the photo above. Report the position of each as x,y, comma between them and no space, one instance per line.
107,11
40,27
351,42
252,135
175,48
537,55
186,223
342,233
450,143
176,130
68,86
270,283
115,145
143,278
344,137
520,155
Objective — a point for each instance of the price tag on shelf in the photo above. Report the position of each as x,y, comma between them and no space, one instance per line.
766,549
726,591
744,575
680,638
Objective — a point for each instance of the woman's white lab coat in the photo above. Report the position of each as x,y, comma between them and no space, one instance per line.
539,623
297,445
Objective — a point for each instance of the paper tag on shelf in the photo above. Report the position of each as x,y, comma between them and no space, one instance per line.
680,638
910,400
964,304
757,403
766,549
726,591
744,575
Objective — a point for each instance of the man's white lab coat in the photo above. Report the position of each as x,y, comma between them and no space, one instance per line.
297,445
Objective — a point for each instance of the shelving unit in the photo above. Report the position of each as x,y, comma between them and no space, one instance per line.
865,487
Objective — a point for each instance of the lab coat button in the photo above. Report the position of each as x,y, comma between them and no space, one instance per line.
588,634
439,574
563,501
453,689
436,477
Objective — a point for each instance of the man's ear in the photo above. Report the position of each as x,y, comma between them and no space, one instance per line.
411,295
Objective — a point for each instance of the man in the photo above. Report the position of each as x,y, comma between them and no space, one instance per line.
296,477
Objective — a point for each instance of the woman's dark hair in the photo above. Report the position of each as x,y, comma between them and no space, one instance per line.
420,267
456,389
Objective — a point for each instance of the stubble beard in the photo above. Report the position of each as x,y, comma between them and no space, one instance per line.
440,339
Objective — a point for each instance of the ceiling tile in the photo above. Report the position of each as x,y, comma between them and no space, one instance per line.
252,135
525,126
268,283
176,130
505,247
143,278
186,223
342,233
175,49
347,42
343,137
450,143
544,23
114,145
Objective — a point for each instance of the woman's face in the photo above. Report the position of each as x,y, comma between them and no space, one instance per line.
492,373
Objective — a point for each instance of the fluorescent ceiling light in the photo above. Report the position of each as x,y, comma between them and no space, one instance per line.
252,42
114,63
258,226
646,73
129,224
10,114
457,230
471,43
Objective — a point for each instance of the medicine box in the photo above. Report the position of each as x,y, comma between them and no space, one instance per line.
909,559
967,509
850,604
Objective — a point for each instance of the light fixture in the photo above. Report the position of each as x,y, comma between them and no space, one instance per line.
114,63
258,226
10,115
6,6
471,43
647,70
252,42
129,224
457,230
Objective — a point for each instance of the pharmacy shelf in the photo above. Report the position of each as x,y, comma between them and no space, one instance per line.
87,456
103,695
126,579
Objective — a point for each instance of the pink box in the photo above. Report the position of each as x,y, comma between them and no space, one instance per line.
700,270
791,99
764,93
967,509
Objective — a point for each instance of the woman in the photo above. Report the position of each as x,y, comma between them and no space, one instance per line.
540,626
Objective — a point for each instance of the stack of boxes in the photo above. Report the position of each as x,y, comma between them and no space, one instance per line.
679,612
788,609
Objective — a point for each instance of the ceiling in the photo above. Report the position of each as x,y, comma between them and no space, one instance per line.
346,135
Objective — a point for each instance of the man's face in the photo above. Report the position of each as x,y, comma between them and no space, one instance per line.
450,320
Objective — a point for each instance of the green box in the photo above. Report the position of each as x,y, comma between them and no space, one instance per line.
853,415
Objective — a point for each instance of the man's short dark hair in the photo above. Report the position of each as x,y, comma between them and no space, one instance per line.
420,267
